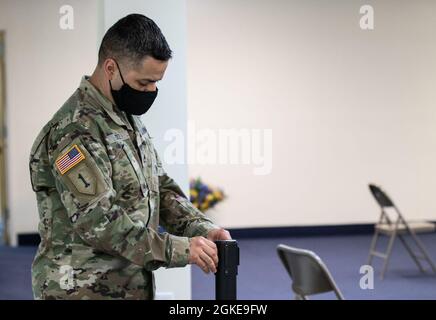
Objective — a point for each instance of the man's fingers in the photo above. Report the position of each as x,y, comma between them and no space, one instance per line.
226,235
204,253
203,265
210,244
209,262
212,253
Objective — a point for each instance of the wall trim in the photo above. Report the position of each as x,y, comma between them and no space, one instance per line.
302,231
33,239
28,239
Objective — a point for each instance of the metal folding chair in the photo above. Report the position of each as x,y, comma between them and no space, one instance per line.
397,227
308,273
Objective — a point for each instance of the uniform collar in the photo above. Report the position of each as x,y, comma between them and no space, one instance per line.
118,116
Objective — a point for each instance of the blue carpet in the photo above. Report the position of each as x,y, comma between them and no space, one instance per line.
15,278
261,275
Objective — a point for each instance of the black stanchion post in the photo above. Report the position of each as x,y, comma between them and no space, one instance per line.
227,271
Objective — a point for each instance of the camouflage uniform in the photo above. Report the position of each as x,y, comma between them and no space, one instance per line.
102,193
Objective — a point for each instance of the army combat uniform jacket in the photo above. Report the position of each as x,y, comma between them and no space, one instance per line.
102,193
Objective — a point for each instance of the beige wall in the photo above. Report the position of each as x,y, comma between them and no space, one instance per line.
44,65
347,107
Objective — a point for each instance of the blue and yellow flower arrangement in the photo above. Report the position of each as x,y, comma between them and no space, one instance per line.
202,196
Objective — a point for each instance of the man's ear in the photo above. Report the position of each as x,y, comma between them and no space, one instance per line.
109,68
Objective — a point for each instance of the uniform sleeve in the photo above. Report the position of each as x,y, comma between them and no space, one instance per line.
177,214
85,186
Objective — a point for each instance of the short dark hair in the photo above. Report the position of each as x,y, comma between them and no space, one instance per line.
131,39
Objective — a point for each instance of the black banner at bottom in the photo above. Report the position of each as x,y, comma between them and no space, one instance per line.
195,309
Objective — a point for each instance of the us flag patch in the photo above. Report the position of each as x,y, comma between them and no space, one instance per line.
69,159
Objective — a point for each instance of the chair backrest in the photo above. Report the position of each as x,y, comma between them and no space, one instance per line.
382,198
308,273
390,213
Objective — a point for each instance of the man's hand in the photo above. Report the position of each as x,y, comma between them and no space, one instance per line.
219,234
203,253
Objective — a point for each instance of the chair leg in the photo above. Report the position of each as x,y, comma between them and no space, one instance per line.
388,255
338,294
372,247
424,251
412,254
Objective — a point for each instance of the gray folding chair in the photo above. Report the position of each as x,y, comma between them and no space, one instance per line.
308,273
397,227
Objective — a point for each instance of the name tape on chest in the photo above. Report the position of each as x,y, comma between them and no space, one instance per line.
69,159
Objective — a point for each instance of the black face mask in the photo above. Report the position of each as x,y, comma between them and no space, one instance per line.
132,101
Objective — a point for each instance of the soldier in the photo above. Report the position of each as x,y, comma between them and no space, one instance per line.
100,186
